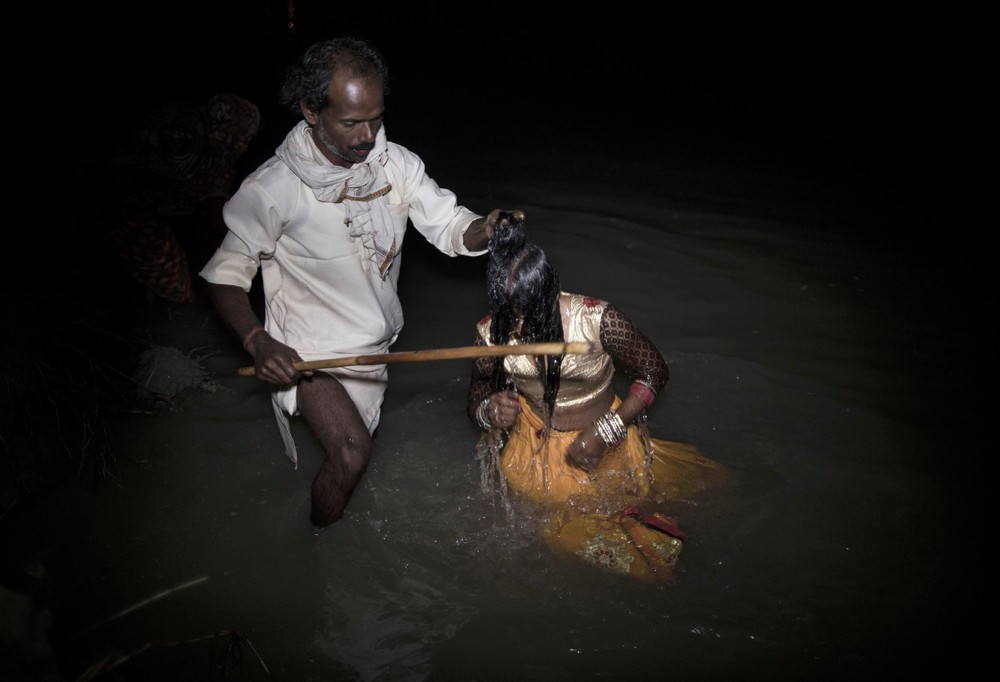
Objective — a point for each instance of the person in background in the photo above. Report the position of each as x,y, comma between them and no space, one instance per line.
323,220
554,432
155,191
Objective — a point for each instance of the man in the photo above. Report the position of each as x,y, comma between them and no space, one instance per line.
324,221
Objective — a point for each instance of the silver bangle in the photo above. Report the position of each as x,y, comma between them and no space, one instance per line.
610,428
484,421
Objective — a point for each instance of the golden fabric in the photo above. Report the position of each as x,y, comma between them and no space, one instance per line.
536,467
587,520
582,376
617,543
641,468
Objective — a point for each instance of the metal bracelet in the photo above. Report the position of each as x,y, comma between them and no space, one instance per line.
481,418
610,428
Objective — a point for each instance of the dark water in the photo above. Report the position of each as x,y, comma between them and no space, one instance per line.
820,346
830,376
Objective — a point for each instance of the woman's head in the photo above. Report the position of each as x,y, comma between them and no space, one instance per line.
523,289
522,285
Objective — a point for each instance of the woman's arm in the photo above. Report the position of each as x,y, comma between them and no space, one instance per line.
636,355
639,359
480,385
488,408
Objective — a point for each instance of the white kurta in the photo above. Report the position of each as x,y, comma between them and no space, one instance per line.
320,298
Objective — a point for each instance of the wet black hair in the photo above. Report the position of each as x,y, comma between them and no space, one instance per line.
520,277
309,80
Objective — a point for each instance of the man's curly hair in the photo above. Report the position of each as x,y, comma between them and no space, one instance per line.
309,80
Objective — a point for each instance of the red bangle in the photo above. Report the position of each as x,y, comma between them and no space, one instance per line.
249,337
644,392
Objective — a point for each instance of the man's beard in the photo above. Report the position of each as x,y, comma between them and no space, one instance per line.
324,141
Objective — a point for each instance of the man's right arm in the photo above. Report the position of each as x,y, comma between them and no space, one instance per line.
233,306
273,361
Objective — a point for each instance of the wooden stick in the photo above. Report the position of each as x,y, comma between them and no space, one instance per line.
552,348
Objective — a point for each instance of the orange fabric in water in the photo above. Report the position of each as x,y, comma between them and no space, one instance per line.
537,468
588,523
640,468
616,543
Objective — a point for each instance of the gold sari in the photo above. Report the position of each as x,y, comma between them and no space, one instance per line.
597,514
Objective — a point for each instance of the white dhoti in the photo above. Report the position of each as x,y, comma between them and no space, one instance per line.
365,384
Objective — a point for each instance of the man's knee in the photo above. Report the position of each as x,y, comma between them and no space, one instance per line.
356,453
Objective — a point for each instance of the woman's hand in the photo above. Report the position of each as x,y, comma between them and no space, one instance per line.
503,409
586,451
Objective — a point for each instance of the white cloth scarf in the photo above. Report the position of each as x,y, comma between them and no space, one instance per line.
362,188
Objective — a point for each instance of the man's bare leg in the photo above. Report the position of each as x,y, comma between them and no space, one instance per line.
347,445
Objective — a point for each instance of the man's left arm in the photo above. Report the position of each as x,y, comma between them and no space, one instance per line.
435,211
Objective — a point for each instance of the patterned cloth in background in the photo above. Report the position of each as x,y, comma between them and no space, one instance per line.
180,163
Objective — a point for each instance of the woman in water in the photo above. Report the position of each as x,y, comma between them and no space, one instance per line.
556,431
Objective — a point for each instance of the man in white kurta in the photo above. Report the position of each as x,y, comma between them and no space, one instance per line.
324,221
329,292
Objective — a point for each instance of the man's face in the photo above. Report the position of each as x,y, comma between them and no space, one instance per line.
345,130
